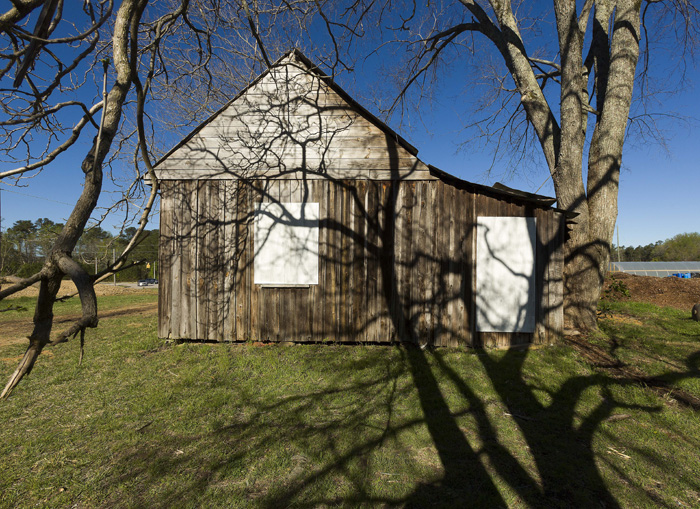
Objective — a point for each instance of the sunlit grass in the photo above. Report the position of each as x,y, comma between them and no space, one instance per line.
663,342
148,424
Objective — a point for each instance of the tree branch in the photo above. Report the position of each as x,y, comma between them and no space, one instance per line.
21,285
88,299
61,148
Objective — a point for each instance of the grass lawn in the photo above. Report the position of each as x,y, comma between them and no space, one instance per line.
145,424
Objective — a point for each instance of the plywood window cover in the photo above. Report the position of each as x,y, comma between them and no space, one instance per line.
505,274
286,244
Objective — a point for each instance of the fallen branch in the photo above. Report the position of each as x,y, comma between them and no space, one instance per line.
13,308
621,454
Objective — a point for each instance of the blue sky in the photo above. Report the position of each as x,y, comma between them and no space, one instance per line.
659,186
658,189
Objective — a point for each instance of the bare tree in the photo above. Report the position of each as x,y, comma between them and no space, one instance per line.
562,79
124,70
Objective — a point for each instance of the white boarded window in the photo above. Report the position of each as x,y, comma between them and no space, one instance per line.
286,244
505,274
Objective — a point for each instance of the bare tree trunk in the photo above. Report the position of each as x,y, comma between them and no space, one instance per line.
615,67
59,262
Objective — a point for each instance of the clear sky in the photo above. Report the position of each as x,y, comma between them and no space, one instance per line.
659,189
659,186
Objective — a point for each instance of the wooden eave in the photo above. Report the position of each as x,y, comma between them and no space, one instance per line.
498,190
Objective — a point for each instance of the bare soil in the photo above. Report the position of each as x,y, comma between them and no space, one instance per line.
661,291
16,331
68,288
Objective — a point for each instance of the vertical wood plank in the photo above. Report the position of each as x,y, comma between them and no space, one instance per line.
343,262
452,324
242,253
397,287
389,272
258,194
437,226
208,261
436,230
417,252
189,263
441,301
352,255
179,265
202,301
180,225
331,297
230,261
372,252
215,264
383,252
166,252
404,221
467,249
222,266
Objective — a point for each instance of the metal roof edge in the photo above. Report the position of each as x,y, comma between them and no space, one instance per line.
501,190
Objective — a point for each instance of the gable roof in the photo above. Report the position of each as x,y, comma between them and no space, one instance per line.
292,117
262,137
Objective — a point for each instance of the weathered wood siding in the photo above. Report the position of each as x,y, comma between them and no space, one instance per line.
396,263
291,120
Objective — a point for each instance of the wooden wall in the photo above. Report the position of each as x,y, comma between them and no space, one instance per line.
396,263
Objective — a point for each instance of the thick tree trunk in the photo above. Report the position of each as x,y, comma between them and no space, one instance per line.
583,281
615,60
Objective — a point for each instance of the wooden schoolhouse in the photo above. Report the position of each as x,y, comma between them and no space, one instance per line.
294,214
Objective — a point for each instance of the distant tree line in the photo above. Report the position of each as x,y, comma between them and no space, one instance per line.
684,247
24,246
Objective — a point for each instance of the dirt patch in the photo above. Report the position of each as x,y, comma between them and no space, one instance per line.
661,291
624,319
16,331
68,288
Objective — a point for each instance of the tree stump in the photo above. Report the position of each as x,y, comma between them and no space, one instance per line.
696,312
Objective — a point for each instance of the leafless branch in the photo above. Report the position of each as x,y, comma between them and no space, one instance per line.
21,285
61,148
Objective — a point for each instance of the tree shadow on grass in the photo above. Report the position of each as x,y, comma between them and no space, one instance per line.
396,426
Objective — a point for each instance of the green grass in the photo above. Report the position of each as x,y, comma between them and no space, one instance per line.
145,424
23,307
662,342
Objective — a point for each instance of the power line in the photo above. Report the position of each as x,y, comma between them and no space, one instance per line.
37,197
